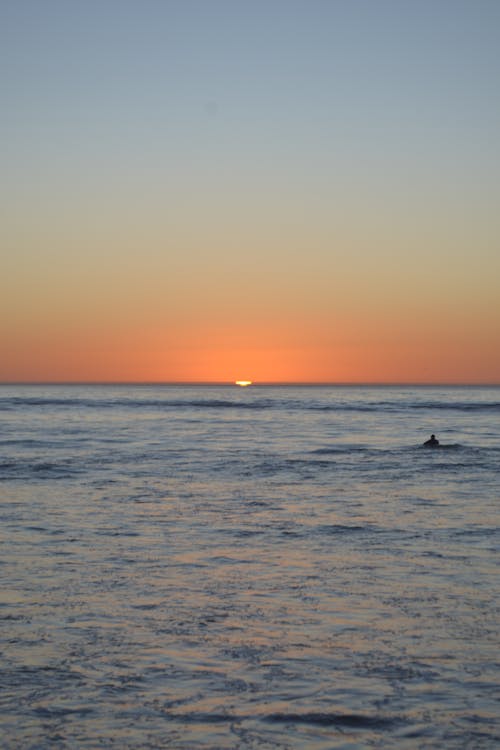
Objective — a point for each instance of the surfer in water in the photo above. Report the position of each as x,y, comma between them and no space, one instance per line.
432,442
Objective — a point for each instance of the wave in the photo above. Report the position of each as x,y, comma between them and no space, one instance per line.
337,450
50,402
26,470
324,719
395,406
17,402
370,450
340,528
314,718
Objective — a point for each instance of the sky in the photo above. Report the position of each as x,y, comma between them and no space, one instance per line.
274,190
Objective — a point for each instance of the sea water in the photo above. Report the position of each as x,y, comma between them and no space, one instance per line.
268,567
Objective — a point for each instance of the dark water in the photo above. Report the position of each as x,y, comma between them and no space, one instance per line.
249,568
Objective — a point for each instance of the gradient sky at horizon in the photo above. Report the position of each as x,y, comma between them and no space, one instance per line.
274,191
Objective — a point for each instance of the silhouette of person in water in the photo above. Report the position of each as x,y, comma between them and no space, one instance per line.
432,442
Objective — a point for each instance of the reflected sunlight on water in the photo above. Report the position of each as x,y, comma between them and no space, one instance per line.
264,567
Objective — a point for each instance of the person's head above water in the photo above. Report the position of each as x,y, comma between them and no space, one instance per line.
432,440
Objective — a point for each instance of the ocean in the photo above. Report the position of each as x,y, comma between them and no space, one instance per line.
263,567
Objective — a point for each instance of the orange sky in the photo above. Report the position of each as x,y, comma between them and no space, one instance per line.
298,197
342,349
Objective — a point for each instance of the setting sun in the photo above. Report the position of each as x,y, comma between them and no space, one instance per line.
300,238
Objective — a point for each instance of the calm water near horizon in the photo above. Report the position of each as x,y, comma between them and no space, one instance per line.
264,567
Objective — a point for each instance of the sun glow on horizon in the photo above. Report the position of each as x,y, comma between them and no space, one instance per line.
304,237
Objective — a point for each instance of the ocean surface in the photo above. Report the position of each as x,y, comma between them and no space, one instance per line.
263,567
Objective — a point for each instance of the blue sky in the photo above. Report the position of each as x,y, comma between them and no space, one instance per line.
335,140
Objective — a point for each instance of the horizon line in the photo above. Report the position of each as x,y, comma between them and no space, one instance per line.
260,383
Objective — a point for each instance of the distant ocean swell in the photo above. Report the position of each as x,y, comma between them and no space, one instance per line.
254,404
